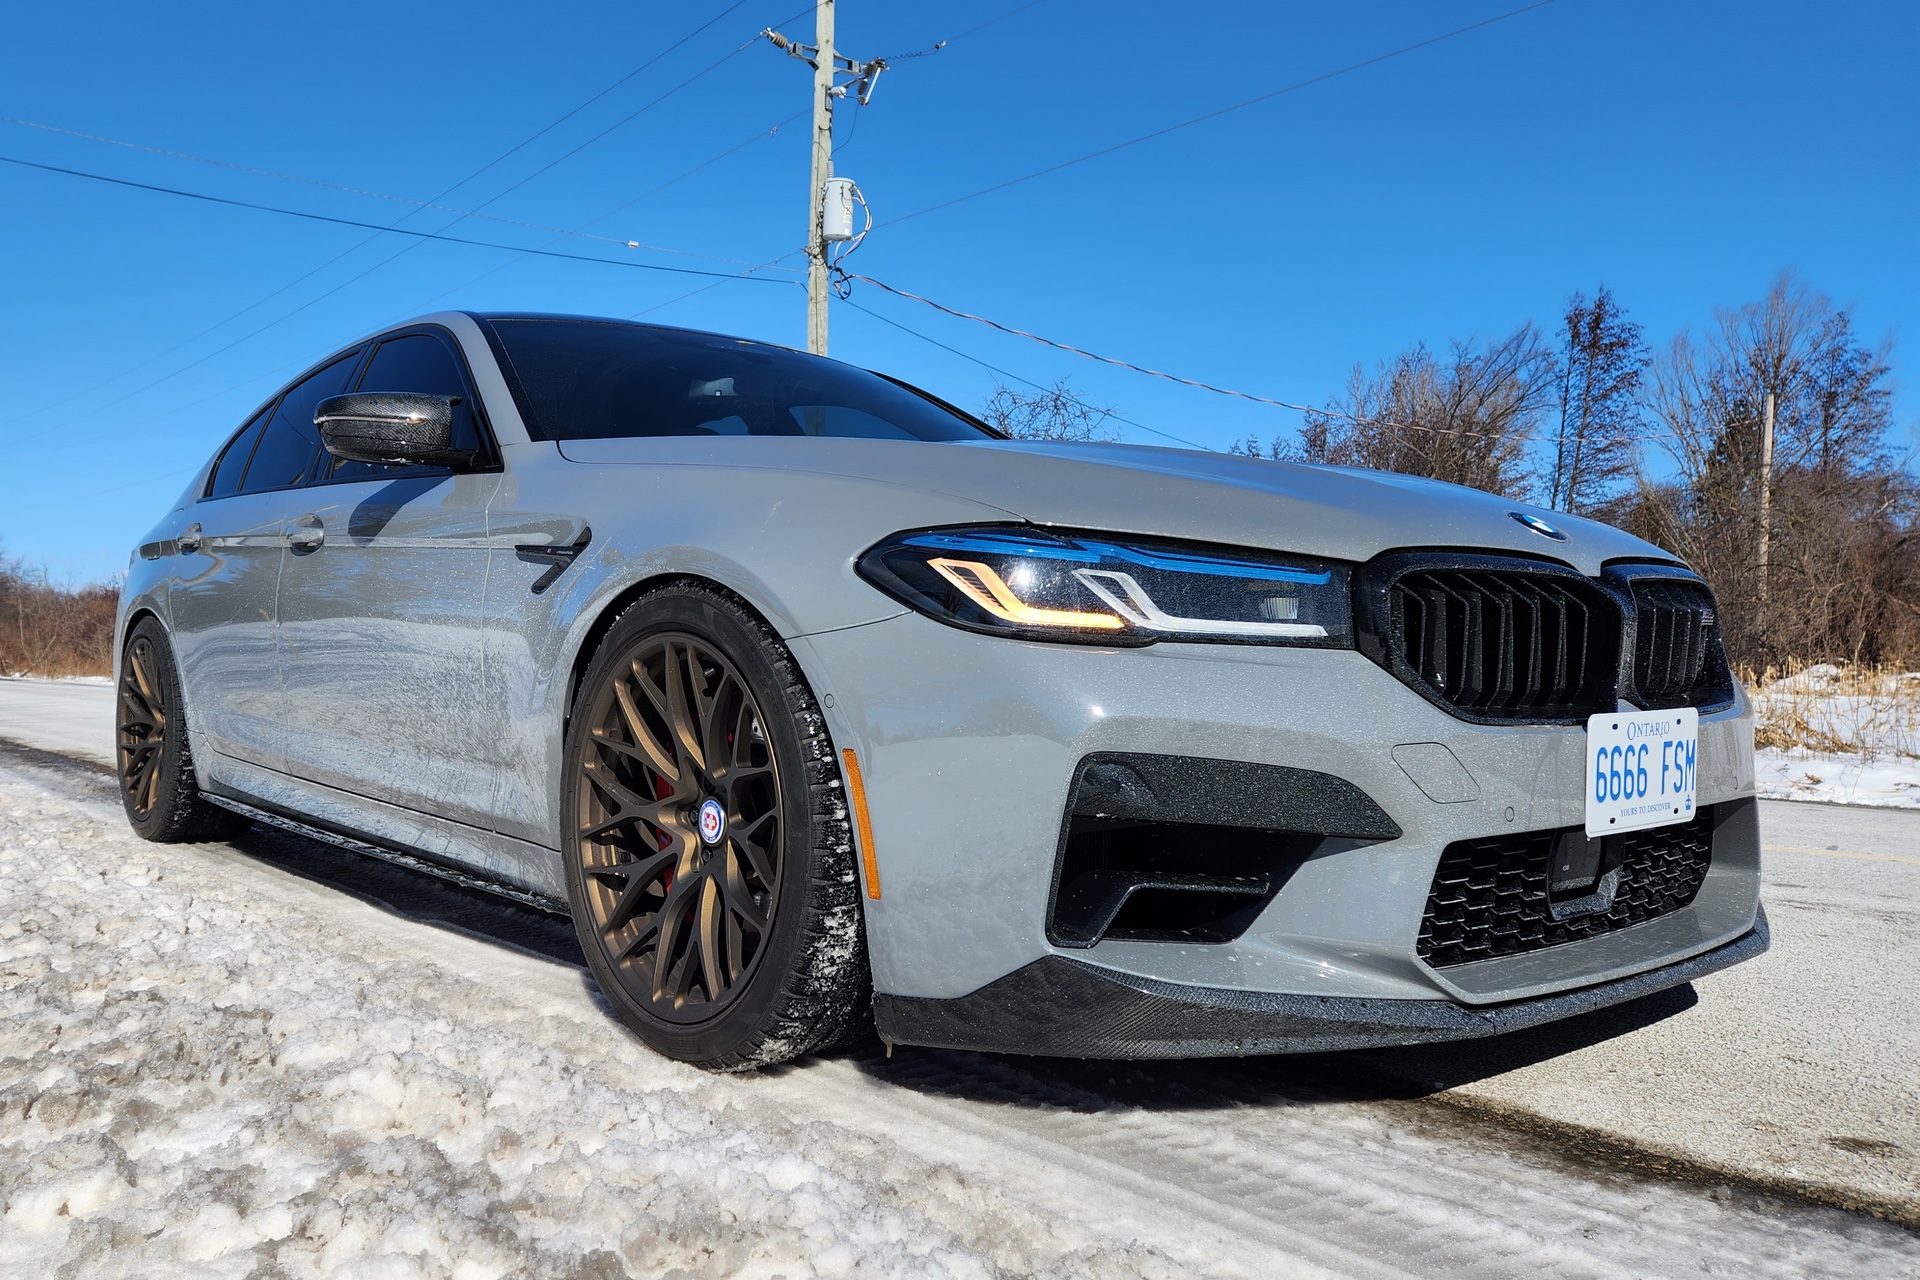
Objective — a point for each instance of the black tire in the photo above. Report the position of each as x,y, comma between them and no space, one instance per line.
728,951
158,786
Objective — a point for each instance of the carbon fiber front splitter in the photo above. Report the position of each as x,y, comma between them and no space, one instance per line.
1067,1008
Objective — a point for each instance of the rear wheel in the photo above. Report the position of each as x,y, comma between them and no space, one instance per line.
708,856
155,762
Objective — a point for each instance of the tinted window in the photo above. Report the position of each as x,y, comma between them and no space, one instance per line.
291,442
591,380
417,362
233,460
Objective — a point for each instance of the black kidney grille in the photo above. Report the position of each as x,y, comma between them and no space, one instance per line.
1677,656
1490,897
1507,645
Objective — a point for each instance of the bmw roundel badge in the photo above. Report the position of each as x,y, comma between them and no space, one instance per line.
1538,525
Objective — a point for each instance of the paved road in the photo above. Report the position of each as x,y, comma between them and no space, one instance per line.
1798,1071
72,717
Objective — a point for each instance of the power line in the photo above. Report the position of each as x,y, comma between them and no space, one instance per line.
1062,346
350,250
355,222
1227,110
994,368
644,195
1325,412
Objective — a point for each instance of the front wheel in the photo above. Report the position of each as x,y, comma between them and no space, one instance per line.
709,861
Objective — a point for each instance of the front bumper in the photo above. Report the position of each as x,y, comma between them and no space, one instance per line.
1061,1007
969,745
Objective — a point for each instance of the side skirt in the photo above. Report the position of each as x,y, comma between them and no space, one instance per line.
398,857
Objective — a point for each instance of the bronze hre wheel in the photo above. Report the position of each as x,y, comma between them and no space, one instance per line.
153,757
708,859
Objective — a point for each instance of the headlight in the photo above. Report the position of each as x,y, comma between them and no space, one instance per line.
1097,589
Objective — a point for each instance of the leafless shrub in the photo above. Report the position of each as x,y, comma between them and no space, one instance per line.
1827,708
53,629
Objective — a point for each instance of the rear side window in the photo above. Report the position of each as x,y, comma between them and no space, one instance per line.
422,363
233,459
591,380
291,442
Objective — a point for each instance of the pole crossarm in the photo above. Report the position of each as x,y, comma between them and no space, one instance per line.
864,74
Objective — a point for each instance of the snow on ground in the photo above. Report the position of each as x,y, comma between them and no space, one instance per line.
196,1078
1837,778
212,1066
1841,735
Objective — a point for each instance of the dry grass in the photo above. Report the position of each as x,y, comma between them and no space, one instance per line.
1854,709
48,628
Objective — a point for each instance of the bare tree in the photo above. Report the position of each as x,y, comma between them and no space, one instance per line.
1844,575
1048,413
1602,358
1466,419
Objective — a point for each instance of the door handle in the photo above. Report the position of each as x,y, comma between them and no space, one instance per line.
189,540
306,533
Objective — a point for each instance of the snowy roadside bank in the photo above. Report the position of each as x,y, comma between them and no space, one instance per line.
210,1064
1839,735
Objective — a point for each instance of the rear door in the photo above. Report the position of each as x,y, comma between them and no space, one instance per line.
382,598
222,600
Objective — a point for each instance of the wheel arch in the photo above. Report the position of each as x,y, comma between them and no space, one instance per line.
609,611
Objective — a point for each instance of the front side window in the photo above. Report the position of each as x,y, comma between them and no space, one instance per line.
596,380
233,459
420,363
291,443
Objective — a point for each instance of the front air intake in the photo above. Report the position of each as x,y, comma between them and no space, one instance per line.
1506,895
1179,849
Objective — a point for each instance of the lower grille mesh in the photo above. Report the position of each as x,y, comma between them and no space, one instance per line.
1490,897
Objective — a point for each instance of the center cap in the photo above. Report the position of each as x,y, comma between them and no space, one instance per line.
713,821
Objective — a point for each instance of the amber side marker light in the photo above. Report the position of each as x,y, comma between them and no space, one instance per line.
857,793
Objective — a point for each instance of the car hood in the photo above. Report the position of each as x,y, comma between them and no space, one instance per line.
1342,513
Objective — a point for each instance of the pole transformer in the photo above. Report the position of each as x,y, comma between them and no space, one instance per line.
826,64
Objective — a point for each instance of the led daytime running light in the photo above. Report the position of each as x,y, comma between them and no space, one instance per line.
980,584
1131,601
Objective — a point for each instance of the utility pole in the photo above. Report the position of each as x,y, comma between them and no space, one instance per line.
826,63
1766,501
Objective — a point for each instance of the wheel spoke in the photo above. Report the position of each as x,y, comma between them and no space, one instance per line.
632,804
757,851
672,916
680,688
650,748
740,899
711,921
640,875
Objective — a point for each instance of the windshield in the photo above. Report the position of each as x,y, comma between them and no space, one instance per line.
602,379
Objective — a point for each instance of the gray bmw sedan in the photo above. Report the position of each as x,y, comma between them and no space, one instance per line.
821,707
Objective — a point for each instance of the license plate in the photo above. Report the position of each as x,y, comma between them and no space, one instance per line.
1640,769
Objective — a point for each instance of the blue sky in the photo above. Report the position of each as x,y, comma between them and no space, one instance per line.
1679,153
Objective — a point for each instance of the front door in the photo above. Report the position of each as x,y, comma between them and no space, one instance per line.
382,599
222,601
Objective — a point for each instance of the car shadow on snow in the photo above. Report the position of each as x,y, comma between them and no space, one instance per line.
1367,1075
416,896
